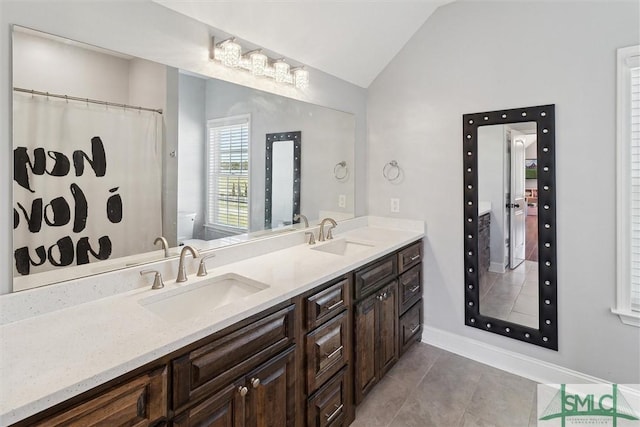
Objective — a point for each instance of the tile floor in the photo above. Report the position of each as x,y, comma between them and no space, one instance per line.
511,296
432,387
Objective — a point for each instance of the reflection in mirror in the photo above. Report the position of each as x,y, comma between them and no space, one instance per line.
139,174
507,222
509,197
282,186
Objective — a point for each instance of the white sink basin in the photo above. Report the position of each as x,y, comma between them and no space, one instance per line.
193,300
343,247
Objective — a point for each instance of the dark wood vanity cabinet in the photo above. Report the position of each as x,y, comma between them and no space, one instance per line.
141,401
302,363
264,397
411,289
484,243
244,378
388,315
328,350
375,345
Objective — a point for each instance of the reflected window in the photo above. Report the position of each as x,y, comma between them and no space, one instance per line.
227,169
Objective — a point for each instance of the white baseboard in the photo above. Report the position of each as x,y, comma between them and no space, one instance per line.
515,363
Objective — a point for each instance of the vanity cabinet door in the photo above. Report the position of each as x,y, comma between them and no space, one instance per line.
387,351
409,256
365,346
327,351
409,288
271,399
225,409
372,276
139,402
376,346
204,371
325,304
328,407
410,327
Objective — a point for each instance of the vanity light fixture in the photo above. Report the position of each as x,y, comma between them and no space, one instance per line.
229,53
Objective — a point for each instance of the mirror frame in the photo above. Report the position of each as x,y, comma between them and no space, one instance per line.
296,137
547,333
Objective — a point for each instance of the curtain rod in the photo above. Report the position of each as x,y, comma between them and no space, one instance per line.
93,101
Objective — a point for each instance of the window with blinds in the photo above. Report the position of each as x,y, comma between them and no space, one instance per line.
635,183
628,186
227,201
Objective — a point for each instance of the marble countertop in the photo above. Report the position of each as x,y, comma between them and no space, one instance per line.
51,357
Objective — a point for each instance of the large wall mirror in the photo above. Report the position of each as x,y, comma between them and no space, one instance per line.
509,223
113,151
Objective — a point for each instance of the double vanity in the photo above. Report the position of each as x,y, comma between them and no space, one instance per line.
278,333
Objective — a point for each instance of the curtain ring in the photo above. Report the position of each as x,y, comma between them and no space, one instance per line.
387,171
337,169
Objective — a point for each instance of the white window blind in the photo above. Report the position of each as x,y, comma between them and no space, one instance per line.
228,173
635,184
628,186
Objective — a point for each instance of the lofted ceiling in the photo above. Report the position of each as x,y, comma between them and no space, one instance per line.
351,39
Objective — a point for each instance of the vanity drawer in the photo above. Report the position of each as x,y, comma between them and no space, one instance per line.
327,350
328,407
140,401
409,256
410,326
325,304
410,288
209,368
369,278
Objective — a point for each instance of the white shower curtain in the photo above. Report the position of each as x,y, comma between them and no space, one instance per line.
72,204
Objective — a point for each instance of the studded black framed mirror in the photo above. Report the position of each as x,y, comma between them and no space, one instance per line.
282,178
509,223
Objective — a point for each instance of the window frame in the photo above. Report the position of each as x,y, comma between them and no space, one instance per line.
623,185
220,122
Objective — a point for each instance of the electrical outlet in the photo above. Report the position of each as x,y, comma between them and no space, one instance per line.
395,205
342,201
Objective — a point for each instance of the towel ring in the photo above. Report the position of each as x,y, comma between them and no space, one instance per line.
340,167
387,171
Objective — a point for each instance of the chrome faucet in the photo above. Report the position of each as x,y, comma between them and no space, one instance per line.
303,218
165,245
321,236
182,271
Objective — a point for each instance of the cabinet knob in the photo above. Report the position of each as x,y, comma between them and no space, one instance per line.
255,382
243,391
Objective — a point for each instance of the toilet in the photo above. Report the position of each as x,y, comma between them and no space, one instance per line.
186,223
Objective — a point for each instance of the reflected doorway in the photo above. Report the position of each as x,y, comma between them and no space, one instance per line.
507,191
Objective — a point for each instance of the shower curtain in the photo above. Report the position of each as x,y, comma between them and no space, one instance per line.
87,182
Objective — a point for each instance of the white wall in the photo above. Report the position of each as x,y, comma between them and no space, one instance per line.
460,62
192,137
149,31
48,65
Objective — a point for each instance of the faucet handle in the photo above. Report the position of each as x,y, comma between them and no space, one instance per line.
157,280
312,238
202,268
